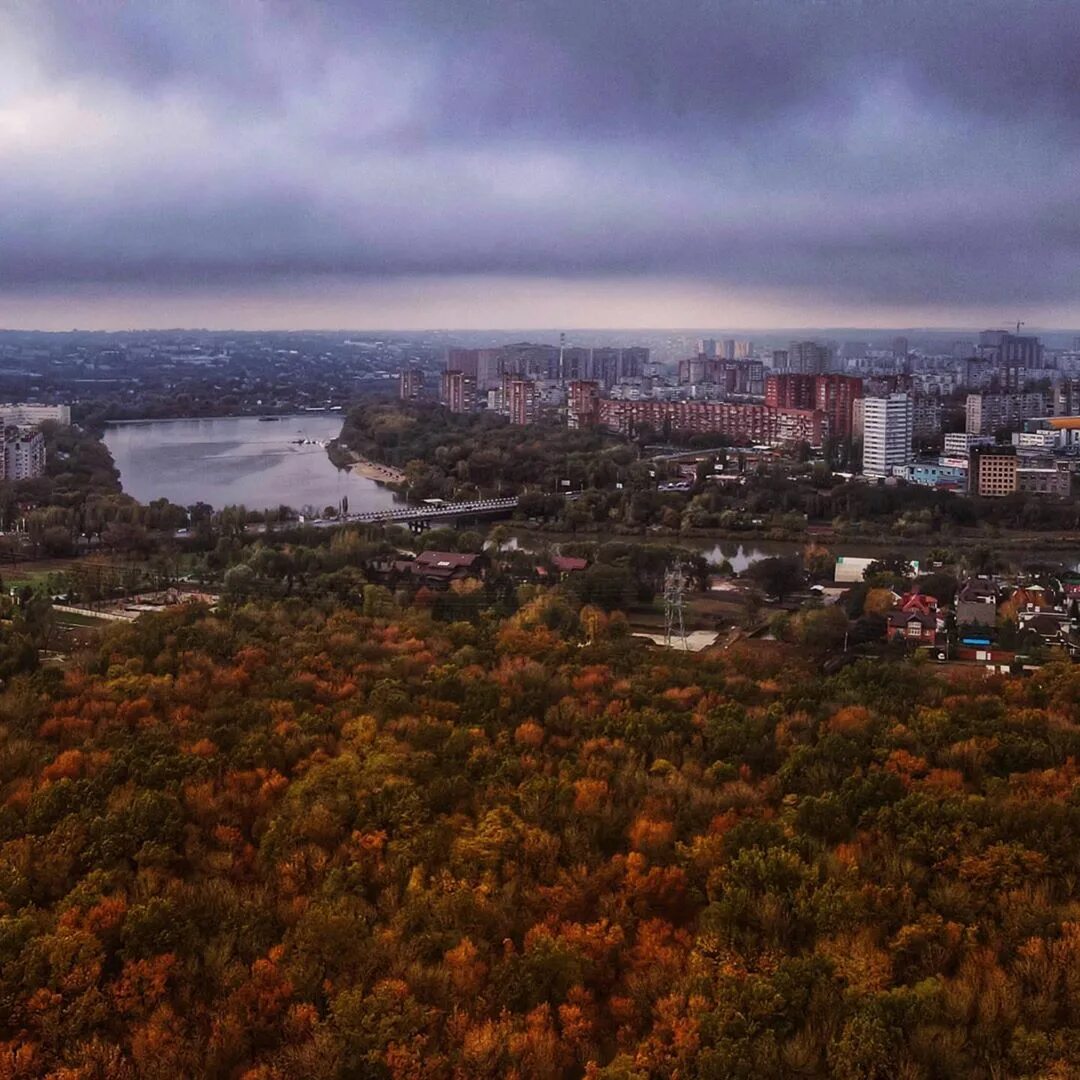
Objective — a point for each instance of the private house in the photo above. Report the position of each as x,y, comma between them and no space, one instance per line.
434,569
1051,626
562,565
437,569
919,603
976,603
913,627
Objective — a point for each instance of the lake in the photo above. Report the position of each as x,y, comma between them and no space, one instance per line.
239,460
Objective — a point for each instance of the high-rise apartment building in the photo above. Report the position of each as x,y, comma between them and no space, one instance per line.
484,365
583,403
530,361
632,361
729,348
707,347
411,384
612,365
522,401
986,414
925,415
808,358
1004,350
835,396
575,362
790,391
459,391
23,455
887,423
464,360
1066,397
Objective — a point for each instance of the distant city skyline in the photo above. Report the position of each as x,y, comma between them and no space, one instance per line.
270,165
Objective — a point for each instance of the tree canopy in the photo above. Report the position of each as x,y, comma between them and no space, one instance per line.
291,840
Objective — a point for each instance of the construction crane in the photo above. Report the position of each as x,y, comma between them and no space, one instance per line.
1019,323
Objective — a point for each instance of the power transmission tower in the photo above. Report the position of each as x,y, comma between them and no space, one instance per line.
674,594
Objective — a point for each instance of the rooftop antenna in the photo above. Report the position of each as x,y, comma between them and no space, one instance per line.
674,594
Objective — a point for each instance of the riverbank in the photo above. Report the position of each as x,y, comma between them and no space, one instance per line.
372,470
344,457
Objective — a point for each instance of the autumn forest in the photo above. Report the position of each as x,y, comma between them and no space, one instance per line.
291,841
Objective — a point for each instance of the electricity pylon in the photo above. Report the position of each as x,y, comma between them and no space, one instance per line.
674,594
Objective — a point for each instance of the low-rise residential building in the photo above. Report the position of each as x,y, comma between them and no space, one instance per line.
913,627
1044,478
917,601
976,603
563,565
24,414
961,443
997,471
1046,439
1051,626
434,569
938,474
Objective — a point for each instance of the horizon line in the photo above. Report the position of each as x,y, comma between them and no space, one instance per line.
780,330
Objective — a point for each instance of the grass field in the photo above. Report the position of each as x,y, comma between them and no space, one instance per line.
68,618
31,571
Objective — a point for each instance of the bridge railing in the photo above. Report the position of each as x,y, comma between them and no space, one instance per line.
445,510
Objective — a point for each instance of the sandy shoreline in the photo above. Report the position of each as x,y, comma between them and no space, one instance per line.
373,471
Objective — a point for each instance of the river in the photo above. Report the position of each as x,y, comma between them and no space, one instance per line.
239,460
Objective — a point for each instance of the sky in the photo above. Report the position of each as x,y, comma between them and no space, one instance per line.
287,164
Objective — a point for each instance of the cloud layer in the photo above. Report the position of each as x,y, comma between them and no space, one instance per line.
871,153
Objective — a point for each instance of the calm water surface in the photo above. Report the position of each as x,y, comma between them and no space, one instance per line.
238,460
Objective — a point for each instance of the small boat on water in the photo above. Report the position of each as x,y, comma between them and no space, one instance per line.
269,419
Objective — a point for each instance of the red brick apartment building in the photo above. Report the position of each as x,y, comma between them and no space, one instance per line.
759,424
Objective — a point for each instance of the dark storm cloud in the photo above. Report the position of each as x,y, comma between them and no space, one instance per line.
878,151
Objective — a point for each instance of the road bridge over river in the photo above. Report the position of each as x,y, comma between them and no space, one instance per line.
420,516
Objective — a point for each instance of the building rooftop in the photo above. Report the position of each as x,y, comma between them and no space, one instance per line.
445,560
